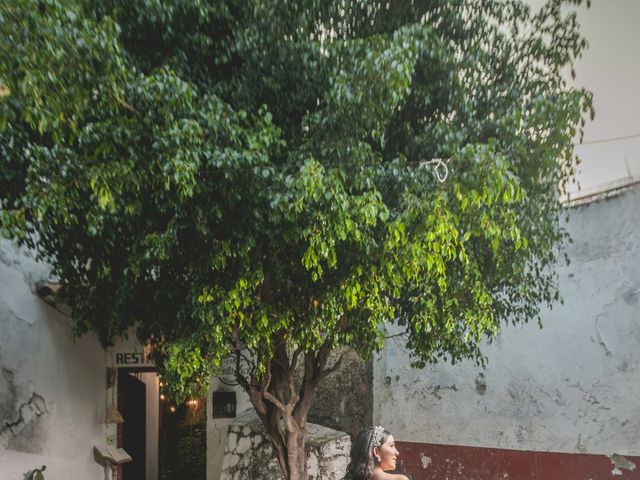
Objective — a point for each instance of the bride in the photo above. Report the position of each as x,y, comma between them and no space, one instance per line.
373,454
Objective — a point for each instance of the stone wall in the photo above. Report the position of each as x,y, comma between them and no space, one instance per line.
249,455
342,402
344,399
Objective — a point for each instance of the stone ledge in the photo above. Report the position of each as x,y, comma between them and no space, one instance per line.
249,454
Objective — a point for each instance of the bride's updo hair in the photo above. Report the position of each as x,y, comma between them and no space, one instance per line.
362,460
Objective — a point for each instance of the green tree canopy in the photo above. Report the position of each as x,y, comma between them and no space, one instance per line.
263,179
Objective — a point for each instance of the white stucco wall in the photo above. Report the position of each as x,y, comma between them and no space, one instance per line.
573,386
218,428
52,389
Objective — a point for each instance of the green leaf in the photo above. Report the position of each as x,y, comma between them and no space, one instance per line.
263,176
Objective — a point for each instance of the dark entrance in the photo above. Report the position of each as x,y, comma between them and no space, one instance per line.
132,401
183,441
182,430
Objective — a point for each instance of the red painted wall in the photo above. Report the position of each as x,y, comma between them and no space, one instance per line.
449,462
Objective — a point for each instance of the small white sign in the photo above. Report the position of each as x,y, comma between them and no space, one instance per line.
133,358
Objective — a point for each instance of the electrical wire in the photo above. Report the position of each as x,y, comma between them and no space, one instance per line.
610,139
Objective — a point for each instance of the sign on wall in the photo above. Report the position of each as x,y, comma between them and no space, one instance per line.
133,357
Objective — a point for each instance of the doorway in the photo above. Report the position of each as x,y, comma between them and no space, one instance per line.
132,434
183,441
166,440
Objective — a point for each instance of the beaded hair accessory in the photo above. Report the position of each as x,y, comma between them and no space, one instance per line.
378,433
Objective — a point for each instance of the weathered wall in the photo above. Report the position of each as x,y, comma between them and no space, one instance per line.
571,387
248,453
52,390
343,400
436,462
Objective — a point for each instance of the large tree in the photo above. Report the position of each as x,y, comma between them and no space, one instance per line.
269,180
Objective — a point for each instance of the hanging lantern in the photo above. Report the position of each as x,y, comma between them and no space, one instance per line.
113,415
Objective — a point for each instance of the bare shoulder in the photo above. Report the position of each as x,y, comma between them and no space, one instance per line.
380,475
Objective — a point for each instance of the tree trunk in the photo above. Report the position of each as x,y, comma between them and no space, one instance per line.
284,415
284,407
296,455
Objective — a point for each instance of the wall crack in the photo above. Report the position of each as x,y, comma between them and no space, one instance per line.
601,340
27,413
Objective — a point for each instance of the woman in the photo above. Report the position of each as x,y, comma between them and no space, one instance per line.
373,453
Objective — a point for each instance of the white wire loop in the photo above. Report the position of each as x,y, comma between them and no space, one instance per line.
439,163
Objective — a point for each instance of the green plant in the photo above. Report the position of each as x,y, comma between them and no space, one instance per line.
259,179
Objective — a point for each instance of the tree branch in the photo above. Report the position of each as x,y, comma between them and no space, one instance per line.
268,395
242,380
278,437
